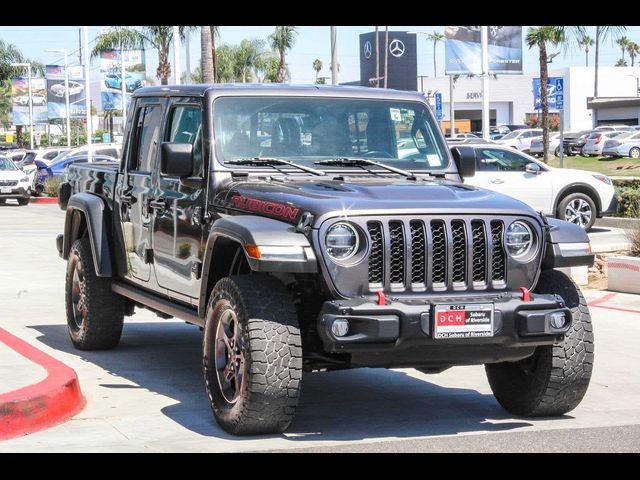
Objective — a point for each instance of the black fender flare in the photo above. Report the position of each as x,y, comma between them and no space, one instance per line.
263,232
579,187
95,213
567,245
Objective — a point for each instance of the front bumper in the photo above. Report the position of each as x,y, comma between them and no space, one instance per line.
401,333
16,192
612,209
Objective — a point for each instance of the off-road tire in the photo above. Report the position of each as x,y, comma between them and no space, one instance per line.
555,379
23,201
556,152
272,355
562,207
101,324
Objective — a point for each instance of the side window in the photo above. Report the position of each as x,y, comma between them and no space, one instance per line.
109,152
495,160
147,134
186,127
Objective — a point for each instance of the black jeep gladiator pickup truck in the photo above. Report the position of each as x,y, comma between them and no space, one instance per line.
315,228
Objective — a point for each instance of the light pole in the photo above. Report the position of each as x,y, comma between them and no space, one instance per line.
176,54
87,86
334,56
28,65
66,90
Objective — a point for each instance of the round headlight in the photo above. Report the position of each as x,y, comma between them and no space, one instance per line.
519,239
341,241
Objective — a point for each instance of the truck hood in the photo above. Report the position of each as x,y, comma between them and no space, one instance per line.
288,198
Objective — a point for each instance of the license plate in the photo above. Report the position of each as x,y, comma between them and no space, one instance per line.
5,189
463,321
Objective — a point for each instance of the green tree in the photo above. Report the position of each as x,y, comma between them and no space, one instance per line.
633,49
130,38
586,41
435,37
623,42
282,40
620,63
317,66
541,37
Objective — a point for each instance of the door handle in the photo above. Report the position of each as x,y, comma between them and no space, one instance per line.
157,204
126,199
497,180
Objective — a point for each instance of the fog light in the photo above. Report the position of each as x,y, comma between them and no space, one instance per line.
557,320
340,327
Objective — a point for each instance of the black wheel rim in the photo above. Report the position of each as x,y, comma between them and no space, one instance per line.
77,295
578,211
229,356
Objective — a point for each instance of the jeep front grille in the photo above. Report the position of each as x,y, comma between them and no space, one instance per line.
436,255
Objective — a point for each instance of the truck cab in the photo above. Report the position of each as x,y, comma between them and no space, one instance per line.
315,227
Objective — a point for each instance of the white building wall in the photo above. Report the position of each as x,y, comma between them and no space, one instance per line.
512,95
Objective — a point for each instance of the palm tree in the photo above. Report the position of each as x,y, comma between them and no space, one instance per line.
206,55
317,66
282,40
541,37
633,49
603,32
435,37
586,41
215,32
620,63
129,38
623,42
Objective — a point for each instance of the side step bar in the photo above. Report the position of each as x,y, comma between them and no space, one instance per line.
157,303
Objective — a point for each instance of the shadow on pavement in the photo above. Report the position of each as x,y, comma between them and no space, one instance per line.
165,357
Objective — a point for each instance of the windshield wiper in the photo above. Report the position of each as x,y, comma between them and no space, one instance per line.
361,162
272,162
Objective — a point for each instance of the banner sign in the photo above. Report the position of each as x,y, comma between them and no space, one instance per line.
56,92
402,60
20,100
111,76
463,50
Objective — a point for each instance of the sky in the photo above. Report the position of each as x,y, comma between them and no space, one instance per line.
311,43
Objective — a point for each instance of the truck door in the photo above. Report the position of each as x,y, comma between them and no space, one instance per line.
140,157
179,205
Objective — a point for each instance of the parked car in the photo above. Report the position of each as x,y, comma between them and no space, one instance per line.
58,89
16,155
574,141
114,80
508,127
60,166
577,196
627,149
496,136
520,139
616,147
554,145
596,140
14,183
615,128
112,150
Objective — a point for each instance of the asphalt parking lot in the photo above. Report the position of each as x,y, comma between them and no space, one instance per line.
148,394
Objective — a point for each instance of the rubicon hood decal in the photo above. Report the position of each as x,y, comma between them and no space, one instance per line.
268,208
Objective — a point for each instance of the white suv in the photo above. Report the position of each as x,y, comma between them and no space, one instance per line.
520,139
576,196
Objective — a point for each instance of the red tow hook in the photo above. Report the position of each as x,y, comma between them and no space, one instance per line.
382,299
526,294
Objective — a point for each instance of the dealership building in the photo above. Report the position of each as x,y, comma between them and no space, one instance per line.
511,97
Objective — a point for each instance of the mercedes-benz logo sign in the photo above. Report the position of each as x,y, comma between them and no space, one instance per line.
396,48
367,49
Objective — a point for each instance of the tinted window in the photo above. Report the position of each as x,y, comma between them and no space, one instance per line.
50,155
495,160
147,133
186,127
109,152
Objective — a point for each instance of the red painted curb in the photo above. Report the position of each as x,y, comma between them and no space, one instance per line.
43,404
48,200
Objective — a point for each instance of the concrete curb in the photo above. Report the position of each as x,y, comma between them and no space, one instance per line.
43,404
45,200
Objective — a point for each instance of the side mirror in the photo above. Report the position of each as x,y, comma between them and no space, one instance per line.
176,159
465,158
533,168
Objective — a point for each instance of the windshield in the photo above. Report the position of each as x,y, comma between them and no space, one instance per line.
306,130
510,135
7,164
